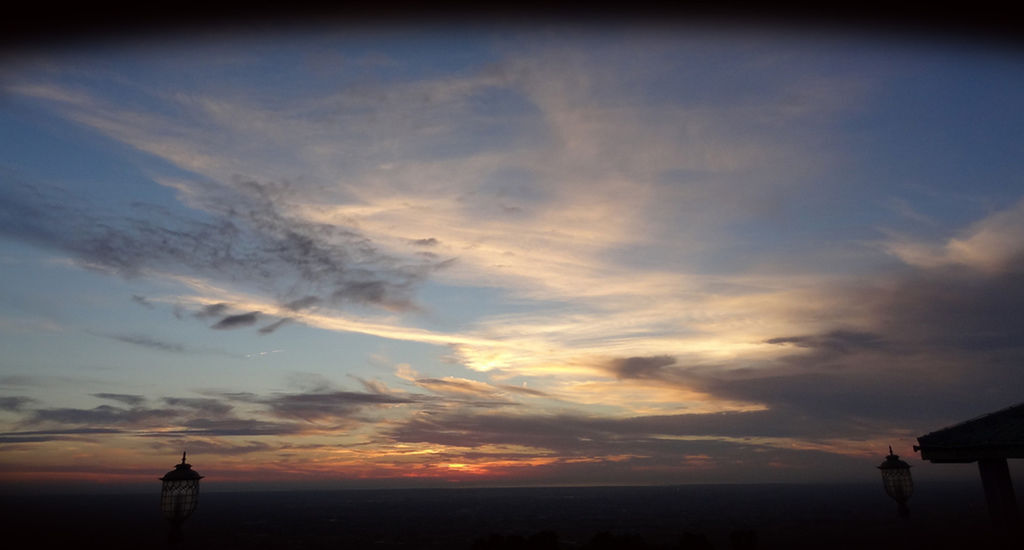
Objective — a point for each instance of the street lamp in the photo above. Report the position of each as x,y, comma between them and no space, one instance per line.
897,481
179,496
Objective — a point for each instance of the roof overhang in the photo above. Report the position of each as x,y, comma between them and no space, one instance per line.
997,435
967,454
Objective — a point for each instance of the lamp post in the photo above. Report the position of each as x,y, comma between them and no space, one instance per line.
897,481
179,496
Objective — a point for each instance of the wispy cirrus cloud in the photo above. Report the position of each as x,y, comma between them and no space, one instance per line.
458,386
254,243
991,245
469,199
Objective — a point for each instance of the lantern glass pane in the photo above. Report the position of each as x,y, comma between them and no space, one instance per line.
898,483
179,498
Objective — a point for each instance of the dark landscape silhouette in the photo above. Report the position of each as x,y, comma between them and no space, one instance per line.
951,515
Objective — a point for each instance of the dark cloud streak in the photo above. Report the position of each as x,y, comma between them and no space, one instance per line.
236,321
142,301
329,405
274,326
836,341
641,367
127,399
305,302
211,310
212,447
104,415
522,390
573,434
238,427
15,403
203,405
42,436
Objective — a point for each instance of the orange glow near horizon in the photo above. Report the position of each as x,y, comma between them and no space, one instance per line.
383,465
120,461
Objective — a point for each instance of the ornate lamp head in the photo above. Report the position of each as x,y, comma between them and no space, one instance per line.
180,493
897,481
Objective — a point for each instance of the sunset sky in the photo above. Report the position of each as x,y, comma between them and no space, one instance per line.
383,255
